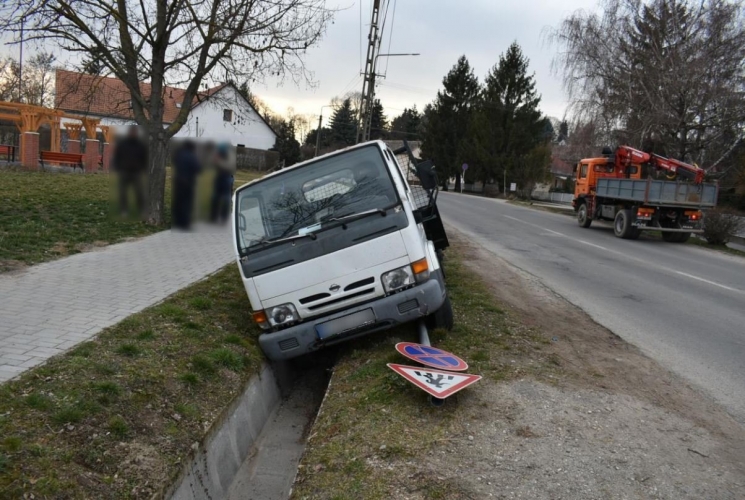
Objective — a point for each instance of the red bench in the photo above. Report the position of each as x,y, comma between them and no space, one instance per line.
76,160
9,152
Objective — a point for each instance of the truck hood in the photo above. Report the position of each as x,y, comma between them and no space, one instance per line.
305,278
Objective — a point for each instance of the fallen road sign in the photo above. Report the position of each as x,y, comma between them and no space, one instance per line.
437,383
431,356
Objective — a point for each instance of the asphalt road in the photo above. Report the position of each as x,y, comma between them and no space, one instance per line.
682,305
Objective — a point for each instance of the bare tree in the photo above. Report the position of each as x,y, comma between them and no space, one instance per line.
38,80
664,75
176,43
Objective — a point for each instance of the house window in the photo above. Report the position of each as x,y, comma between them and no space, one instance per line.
227,115
178,105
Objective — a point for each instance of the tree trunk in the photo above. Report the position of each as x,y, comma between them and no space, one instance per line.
457,182
158,150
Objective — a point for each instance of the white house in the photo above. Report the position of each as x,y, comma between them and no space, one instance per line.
218,114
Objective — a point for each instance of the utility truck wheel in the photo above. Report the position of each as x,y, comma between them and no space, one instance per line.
683,237
670,237
441,318
622,225
582,217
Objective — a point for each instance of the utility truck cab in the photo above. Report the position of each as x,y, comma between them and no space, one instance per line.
341,246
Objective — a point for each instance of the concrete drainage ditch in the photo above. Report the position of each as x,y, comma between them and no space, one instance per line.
253,452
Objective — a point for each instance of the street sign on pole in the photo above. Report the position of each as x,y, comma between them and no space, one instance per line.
437,383
431,356
513,186
465,167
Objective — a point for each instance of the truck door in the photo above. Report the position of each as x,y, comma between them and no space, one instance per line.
582,185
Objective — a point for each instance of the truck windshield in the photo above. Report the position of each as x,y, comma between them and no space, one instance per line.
300,201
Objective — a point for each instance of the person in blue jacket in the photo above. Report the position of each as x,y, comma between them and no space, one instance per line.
186,169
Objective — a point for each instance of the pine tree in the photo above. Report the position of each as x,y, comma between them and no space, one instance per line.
447,121
406,125
287,144
343,125
508,124
563,131
378,122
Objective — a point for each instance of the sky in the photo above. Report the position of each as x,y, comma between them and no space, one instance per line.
441,31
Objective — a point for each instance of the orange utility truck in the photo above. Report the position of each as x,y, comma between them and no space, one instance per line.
619,187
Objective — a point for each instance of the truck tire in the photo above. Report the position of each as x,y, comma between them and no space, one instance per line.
583,218
622,225
683,237
676,237
441,318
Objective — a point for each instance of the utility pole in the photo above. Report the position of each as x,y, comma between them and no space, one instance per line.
20,66
318,134
368,83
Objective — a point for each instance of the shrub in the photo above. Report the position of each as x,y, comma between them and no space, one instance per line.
720,225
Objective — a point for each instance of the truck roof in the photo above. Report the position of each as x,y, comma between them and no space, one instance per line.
380,144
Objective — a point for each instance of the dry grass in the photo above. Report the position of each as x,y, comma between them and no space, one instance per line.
373,422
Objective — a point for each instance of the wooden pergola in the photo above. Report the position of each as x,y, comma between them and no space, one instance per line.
28,118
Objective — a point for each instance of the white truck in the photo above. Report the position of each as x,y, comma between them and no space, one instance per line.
341,246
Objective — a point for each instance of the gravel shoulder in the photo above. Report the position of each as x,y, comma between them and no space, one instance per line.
572,412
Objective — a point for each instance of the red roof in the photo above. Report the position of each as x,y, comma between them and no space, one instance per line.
104,96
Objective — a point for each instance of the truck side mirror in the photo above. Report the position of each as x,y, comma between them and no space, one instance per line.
426,173
574,169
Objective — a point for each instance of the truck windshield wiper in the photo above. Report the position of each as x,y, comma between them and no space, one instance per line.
360,215
267,243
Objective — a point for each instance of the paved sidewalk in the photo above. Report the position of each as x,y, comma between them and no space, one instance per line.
48,308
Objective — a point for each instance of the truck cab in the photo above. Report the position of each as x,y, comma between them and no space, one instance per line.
336,247
589,170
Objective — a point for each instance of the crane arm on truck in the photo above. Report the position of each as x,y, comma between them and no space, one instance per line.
627,156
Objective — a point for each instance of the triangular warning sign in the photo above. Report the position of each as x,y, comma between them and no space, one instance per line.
439,384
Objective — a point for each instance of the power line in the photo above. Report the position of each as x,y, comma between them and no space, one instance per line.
390,36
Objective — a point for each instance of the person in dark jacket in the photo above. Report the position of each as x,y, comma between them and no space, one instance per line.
223,185
130,163
186,168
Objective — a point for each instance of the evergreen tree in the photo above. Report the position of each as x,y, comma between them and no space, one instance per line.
406,125
343,125
310,139
447,121
508,124
287,144
378,122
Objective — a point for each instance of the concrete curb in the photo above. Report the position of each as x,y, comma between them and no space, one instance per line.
212,464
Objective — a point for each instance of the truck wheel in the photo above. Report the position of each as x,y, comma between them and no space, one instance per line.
441,259
441,318
622,225
582,217
683,237
670,237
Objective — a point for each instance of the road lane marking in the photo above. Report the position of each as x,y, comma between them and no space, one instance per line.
705,281
535,225
673,271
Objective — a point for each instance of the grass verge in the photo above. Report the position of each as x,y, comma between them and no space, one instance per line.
45,215
373,423
114,417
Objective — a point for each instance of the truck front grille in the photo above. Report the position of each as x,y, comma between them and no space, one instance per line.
341,299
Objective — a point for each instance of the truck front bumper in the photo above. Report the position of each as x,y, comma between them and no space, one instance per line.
402,307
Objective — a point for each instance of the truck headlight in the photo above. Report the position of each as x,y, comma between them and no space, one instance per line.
282,314
397,278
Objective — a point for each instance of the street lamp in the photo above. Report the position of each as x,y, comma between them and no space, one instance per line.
371,93
318,133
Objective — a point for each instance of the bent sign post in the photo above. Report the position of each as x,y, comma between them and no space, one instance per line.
437,383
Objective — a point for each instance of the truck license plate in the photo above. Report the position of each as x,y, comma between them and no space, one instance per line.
345,323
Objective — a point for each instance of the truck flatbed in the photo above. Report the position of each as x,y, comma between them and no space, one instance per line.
658,192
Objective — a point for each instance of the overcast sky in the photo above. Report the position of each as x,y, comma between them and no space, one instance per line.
441,30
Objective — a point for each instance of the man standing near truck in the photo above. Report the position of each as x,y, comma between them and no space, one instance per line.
130,163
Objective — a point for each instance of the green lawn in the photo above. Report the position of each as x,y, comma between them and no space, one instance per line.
44,216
